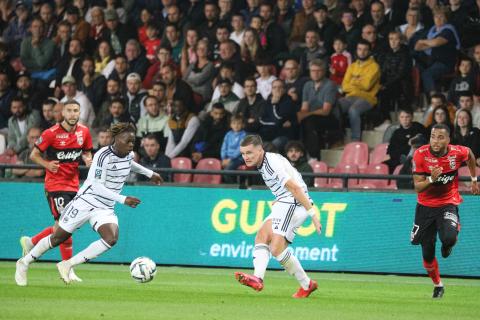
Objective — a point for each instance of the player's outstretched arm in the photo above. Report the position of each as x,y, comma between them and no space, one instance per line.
138,168
299,194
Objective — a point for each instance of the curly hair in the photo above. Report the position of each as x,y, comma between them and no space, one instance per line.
116,129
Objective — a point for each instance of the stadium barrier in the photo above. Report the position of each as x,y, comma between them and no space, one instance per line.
362,232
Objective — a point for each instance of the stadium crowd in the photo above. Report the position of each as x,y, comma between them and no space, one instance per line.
195,76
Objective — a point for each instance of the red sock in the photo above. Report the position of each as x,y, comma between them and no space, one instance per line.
432,270
66,249
42,234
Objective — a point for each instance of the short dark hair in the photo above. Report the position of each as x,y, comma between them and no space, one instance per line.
152,136
294,144
440,96
218,105
252,139
466,93
117,100
441,126
49,101
17,99
406,110
72,101
364,42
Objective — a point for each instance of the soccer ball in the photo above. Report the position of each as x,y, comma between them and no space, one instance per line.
143,269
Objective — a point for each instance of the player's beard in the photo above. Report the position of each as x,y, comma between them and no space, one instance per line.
439,153
72,122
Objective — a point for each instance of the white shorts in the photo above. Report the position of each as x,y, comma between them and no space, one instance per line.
77,212
286,219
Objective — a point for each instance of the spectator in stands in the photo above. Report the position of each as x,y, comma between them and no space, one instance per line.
377,46
46,14
265,77
6,95
69,88
188,55
92,84
396,80
154,122
117,113
407,165
33,133
137,62
209,137
225,12
222,35
120,72
437,100
19,123
58,112
227,98
399,145
294,83
32,96
251,48
62,40
413,25
227,71
175,16
316,116
325,26
47,114
251,107
279,121
104,62
17,28
276,38
465,134
80,28
200,74
349,31
5,65
303,18
465,80
438,53
152,43
458,16
360,85
146,16
112,92
251,10
104,138
238,28
71,63
135,97
116,33
379,21
154,157
164,57
284,15
177,89
466,102
230,149
295,152
97,27
229,54
208,28
174,38
339,61
37,51
361,12
440,115
183,125
313,50
159,90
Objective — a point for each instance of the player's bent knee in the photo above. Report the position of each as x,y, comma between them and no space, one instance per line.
111,241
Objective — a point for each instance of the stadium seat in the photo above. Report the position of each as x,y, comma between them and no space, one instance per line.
393,182
387,135
208,164
182,163
337,183
465,186
319,167
378,168
379,153
355,153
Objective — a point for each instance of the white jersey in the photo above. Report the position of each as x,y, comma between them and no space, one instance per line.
276,170
106,178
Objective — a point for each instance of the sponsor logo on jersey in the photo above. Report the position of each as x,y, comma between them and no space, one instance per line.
445,179
62,136
70,155
432,160
79,135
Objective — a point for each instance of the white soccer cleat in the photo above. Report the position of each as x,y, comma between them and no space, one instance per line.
64,269
27,245
21,273
73,277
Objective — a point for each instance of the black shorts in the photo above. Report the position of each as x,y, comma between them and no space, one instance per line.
58,200
430,220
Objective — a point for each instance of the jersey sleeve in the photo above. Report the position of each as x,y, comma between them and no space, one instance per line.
464,153
87,144
280,173
99,169
44,141
418,164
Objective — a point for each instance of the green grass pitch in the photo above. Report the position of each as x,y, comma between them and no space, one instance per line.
108,292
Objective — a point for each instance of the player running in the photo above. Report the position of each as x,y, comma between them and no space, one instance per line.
94,202
290,209
435,175
64,144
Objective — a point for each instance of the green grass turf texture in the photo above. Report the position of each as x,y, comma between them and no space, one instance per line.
108,292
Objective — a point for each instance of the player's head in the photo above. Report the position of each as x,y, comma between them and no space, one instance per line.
123,134
439,139
71,112
252,151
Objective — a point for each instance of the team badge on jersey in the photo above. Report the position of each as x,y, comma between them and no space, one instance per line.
452,161
79,137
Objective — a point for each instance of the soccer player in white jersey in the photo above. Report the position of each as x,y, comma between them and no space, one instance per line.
291,208
94,202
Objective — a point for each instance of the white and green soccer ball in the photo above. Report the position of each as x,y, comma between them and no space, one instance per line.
143,269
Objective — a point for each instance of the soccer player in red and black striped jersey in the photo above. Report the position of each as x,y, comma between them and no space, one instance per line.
435,175
64,145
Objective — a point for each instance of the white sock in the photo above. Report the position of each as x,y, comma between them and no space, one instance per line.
37,251
293,267
91,252
261,256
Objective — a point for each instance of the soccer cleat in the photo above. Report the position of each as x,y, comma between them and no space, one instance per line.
302,293
73,277
64,269
249,281
21,273
27,245
438,292
446,251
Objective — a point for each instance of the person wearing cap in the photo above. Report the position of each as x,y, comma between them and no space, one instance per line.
17,28
80,28
135,97
69,88
36,51
32,96
117,33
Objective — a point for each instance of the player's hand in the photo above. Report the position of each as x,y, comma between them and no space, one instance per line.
132,202
436,172
53,166
475,189
156,178
317,224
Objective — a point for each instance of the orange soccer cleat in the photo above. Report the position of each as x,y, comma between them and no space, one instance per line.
249,280
302,293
